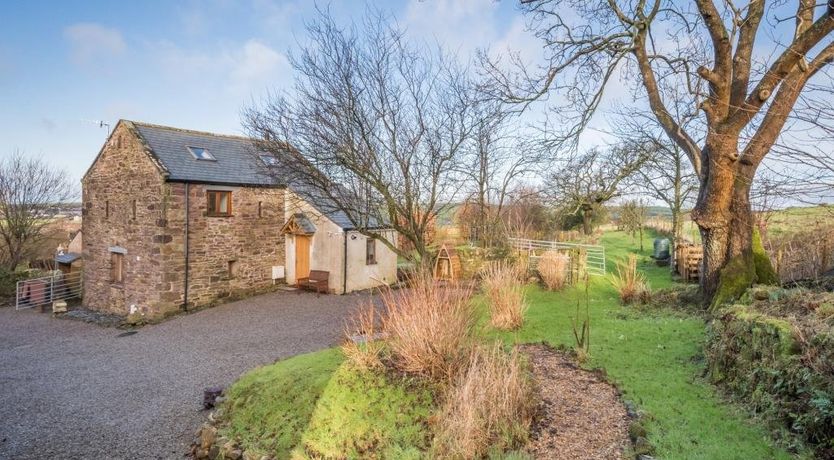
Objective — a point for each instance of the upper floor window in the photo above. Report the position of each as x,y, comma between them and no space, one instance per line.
370,251
219,203
201,153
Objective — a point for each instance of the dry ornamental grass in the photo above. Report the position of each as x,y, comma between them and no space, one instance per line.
505,292
630,283
490,406
429,326
361,345
553,269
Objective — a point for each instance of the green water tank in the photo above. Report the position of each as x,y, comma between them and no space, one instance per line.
661,249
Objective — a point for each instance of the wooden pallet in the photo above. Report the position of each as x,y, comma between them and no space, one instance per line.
688,258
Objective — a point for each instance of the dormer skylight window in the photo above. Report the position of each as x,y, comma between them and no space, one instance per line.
201,153
269,160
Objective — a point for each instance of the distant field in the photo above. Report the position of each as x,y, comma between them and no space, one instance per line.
781,222
790,220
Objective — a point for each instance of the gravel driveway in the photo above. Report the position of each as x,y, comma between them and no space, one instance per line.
70,389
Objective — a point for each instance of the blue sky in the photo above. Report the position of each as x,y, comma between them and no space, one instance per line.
188,64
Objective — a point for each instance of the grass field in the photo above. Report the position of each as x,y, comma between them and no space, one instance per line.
654,357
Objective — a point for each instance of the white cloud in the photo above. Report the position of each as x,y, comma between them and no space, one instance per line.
240,69
256,64
462,26
91,41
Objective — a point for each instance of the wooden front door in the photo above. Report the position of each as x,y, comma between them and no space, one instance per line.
302,256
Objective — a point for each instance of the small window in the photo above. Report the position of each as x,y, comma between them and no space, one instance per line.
260,208
370,252
201,153
269,160
219,203
106,209
232,269
117,261
133,210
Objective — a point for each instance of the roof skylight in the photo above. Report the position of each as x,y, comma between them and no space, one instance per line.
269,160
201,153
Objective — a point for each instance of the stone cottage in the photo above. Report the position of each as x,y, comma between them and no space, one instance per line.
177,219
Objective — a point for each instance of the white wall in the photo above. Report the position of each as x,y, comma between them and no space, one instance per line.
326,245
327,252
364,276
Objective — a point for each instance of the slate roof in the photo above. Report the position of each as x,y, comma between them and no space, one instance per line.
303,222
67,257
236,162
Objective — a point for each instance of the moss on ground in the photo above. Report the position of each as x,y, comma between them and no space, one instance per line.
364,414
269,408
734,280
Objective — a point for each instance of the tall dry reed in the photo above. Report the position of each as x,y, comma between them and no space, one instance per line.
503,286
489,406
554,269
430,327
630,283
362,346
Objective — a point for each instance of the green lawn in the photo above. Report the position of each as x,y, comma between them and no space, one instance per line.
310,401
654,358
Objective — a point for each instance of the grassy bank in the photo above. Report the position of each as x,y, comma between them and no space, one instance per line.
311,403
655,359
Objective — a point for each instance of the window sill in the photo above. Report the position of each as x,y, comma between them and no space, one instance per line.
219,215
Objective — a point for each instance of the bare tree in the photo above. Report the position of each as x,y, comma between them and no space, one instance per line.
633,215
741,89
374,128
587,181
495,164
666,175
31,191
526,214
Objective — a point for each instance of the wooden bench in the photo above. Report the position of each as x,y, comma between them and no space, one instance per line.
316,281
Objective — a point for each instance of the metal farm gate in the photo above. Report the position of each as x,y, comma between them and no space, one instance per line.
594,253
39,292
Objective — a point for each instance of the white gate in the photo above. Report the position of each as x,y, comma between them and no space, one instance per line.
42,291
594,253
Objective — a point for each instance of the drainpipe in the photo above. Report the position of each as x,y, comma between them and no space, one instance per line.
185,287
344,256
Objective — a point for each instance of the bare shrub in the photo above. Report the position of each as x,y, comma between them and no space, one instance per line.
361,346
429,327
630,283
490,406
505,292
553,269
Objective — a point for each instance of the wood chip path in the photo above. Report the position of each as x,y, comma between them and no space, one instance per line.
580,416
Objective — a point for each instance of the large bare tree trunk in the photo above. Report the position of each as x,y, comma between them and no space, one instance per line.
733,255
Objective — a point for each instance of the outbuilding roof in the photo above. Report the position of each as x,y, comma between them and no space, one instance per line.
67,257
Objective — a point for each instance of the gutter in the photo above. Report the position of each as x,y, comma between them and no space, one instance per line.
345,257
185,287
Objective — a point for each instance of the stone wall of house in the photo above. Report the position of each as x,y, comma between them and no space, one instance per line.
228,256
124,208
128,206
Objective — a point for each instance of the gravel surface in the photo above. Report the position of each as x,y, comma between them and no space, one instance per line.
70,389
